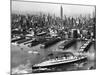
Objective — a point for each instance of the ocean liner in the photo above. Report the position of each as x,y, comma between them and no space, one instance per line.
55,61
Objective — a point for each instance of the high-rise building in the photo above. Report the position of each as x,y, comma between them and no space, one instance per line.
61,12
74,33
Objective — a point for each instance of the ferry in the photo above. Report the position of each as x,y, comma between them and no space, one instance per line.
64,59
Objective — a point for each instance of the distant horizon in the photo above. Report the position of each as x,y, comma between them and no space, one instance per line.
22,7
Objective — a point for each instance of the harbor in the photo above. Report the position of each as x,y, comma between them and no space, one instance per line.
42,41
27,56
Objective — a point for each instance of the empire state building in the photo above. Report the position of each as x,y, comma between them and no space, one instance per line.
61,12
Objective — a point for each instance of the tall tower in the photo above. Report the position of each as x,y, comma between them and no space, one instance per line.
61,12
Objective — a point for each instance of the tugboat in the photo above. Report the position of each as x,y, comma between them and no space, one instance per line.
62,59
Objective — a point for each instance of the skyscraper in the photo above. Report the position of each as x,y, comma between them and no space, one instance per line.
61,12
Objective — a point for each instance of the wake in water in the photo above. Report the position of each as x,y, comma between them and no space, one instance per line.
22,69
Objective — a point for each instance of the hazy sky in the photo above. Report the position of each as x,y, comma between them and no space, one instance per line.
33,7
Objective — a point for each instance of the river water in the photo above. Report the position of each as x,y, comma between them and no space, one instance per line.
86,65
23,57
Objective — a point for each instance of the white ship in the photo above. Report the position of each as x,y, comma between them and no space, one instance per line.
65,59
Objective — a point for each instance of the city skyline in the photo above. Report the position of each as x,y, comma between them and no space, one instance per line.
24,7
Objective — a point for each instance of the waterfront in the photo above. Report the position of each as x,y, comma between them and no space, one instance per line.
23,60
68,38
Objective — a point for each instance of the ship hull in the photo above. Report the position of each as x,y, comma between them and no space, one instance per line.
61,64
